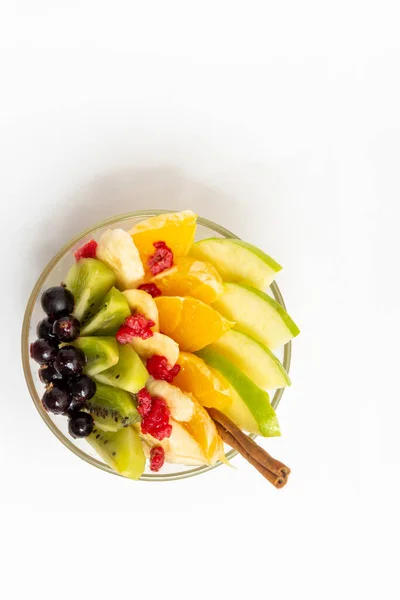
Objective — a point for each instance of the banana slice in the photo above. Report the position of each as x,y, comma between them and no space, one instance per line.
180,405
141,302
159,344
117,250
180,447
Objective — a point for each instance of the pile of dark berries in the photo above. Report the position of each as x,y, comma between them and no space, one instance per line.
61,369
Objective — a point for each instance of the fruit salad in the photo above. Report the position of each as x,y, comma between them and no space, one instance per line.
159,349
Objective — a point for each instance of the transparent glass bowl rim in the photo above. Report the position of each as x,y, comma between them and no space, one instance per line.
25,344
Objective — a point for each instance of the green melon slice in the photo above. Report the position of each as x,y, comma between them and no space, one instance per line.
237,261
253,358
257,315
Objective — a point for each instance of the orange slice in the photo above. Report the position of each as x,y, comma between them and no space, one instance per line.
177,230
207,385
190,322
190,277
203,429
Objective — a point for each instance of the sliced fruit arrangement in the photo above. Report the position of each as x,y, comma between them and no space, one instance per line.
253,358
190,277
238,261
257,314
190,322
116,348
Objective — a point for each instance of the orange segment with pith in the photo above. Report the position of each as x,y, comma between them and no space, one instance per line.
207,385
190,277
190,322
203,429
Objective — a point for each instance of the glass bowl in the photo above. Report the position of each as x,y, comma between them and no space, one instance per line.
52,275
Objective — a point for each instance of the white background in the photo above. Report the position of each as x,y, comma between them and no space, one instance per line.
281,121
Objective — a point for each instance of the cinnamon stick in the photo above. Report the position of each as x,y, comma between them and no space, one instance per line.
273,470
250,445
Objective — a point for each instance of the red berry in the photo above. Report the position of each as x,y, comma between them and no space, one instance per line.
157,456
144,402
86,251
124,334
138,323
151,289
162,258
161,432
158,367
155,422
134,326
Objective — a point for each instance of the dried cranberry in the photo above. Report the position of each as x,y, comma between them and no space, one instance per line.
151,289
138,323
134,326
155,422
158,367
86,251
162,258
161,432
144,402
124,334
157,456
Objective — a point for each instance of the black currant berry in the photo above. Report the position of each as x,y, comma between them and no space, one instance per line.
69,361
66,329
80,425
57,302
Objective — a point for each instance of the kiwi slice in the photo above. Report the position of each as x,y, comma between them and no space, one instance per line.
112,408
113,311
129,373
101,353
89,280
121,450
